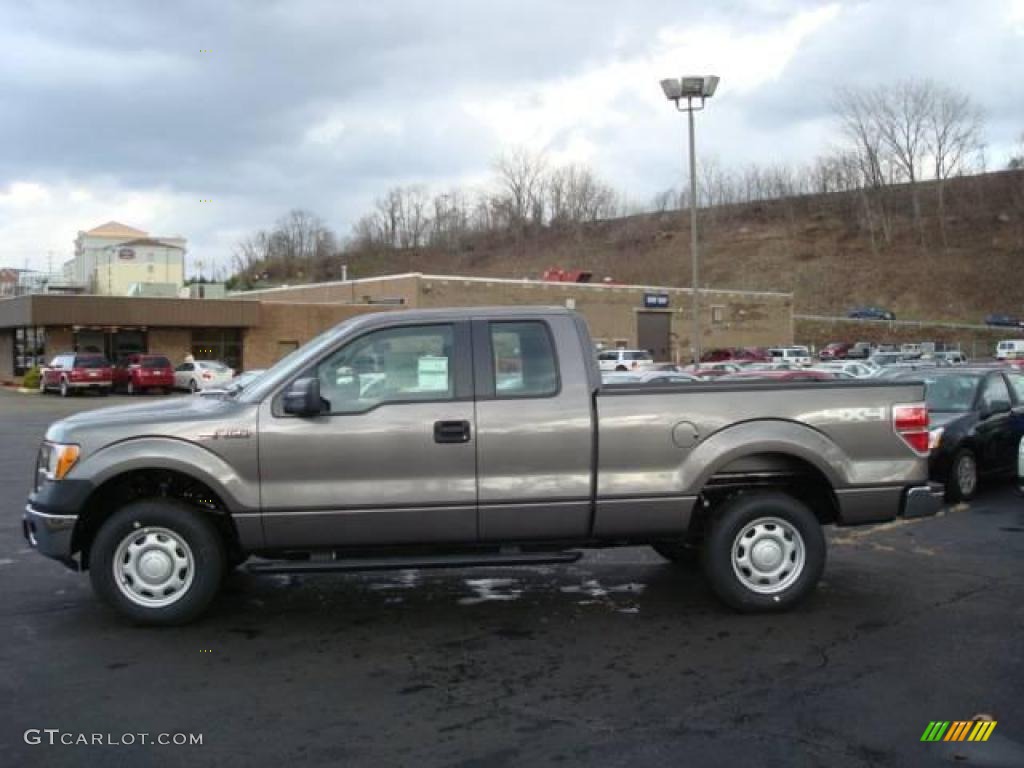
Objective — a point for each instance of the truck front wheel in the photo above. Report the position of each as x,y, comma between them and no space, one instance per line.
158,562
763,552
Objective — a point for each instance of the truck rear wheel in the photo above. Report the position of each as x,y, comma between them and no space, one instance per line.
158,562
763,552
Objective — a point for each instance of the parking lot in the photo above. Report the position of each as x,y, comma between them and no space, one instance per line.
621,659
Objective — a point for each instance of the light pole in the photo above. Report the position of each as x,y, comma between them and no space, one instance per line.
692,89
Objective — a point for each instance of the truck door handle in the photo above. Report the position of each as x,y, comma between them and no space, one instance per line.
451,432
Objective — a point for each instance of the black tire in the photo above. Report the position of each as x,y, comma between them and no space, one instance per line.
192,386
683,554
962,483
208,559
760,508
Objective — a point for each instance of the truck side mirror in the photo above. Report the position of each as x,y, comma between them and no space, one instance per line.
302,398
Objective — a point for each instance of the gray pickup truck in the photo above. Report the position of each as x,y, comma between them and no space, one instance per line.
450,438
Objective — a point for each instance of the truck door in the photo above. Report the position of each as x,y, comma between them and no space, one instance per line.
534,429
393,458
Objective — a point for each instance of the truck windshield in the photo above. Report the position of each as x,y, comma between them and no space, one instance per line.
255,391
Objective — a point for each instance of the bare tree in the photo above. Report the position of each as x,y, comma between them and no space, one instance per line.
954,130
575,195
520,175
857,116
1016,162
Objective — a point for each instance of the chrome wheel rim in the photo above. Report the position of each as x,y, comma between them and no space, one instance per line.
967,475
768,555
64,389
153,567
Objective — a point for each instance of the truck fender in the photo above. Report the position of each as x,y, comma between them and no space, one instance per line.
760,436
237,494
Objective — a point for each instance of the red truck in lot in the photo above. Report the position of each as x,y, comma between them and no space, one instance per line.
73,372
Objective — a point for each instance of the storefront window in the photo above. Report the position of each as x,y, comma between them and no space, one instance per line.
111,344
224,344
29,348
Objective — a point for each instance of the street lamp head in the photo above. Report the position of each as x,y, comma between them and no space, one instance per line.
690,87
672,88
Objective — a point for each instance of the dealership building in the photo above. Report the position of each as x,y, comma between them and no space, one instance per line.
253,329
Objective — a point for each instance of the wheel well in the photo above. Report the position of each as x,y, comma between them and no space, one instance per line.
147,484
776,471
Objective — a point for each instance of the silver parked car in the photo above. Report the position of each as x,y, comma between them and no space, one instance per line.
202,374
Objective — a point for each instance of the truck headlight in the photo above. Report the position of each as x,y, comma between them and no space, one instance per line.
935,438
55,461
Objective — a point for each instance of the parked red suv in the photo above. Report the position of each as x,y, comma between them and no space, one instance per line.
735,354
837,350
74,372
138,373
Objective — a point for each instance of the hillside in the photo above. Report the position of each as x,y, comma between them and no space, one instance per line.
816,246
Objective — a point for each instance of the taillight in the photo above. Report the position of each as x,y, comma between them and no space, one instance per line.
207,376
911,423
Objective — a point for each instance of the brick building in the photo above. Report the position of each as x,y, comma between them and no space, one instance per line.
255,328
650,317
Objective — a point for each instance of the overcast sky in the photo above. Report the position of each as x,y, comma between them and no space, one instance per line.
110,110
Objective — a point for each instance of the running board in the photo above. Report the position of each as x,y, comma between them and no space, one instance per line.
402,563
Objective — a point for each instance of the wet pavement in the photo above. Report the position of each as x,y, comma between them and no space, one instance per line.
620,659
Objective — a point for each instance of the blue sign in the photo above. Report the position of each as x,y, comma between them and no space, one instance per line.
656,300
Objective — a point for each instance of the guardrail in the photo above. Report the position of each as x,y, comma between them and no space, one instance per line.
909,323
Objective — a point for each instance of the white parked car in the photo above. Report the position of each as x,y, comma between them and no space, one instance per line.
202,374
625,360
951,357
1012,349
794,355
852,368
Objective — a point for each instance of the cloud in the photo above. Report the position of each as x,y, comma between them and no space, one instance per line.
135,111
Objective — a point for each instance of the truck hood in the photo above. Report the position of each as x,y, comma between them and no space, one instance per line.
187,418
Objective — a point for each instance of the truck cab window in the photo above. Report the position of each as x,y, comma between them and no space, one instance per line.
524,360
391,365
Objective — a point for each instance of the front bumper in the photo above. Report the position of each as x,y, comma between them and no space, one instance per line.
50,516
50,534
922,501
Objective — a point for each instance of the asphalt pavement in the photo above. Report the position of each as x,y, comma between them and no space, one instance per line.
619,660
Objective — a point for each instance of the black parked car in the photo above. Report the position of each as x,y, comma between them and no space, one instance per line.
1002,320
977,421
871,313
